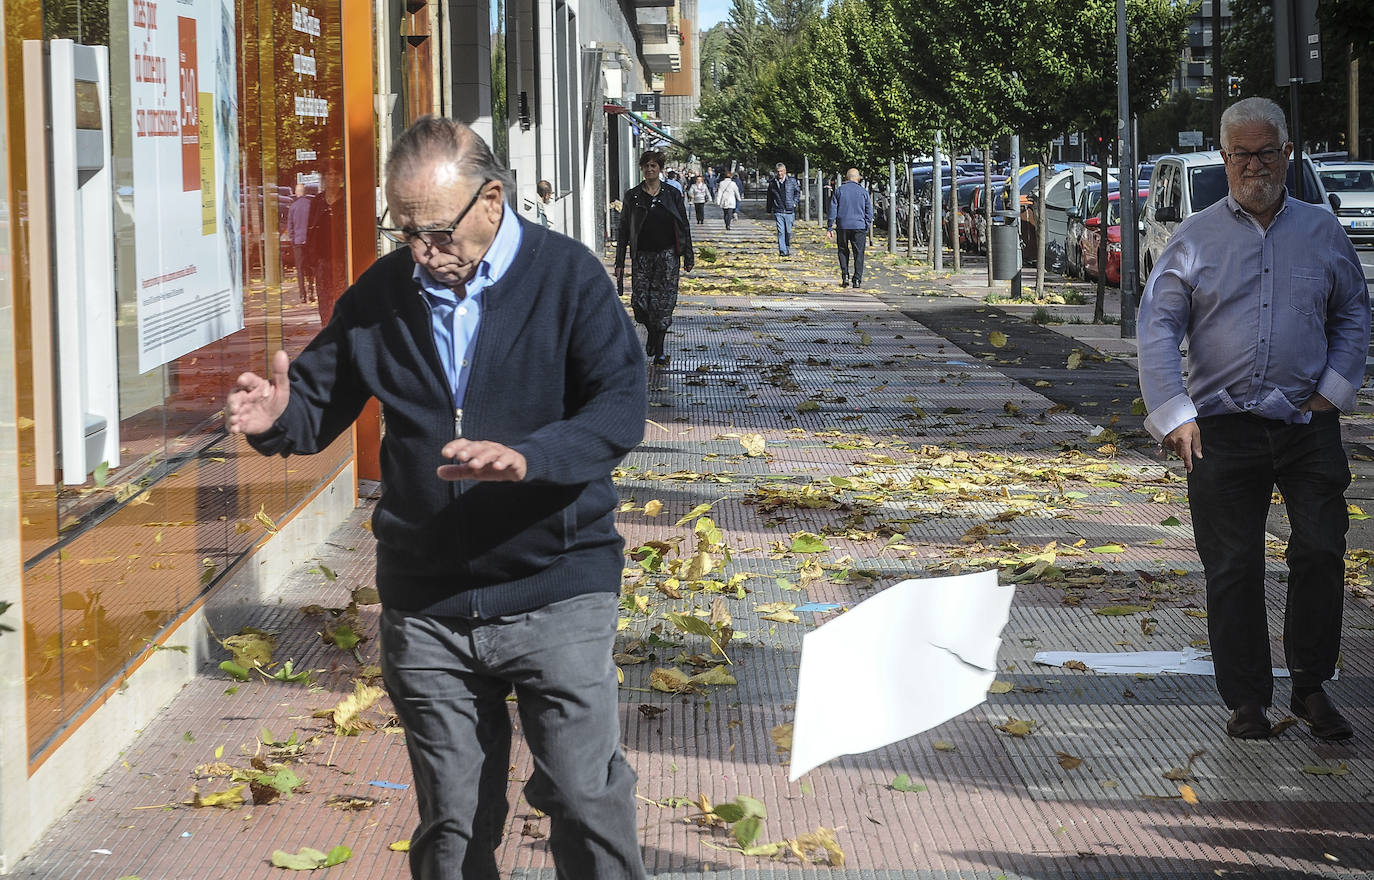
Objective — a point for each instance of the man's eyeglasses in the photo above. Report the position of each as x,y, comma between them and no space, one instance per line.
434,236
1267,156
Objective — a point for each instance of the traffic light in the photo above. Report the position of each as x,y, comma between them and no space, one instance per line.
1233,86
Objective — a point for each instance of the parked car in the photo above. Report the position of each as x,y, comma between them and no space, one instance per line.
1143,172
978,231
1353,183
1091,241
1061,191
966,187
1185,183
1088,199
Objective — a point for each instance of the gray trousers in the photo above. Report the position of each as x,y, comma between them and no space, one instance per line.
448,678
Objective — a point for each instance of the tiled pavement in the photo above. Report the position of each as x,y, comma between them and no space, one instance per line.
916,456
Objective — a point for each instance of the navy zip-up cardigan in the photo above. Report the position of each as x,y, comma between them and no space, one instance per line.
557,374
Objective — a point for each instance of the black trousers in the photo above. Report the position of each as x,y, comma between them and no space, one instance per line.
855,239
1229,492
701,212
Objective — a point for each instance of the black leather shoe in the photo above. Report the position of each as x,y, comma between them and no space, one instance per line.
1248,722
844,282
856,282
1324,719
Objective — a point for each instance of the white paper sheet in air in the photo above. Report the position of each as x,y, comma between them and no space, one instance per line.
913,656
1189,661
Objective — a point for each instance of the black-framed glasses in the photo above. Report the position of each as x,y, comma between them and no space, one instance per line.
434,236
1267,156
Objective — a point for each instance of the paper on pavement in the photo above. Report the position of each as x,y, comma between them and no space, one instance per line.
1189,661
912,657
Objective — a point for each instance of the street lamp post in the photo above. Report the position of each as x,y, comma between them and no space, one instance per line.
1129,241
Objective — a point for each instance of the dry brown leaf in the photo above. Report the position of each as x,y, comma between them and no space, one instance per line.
1076,664
941,745
822,839
653,508
1189,796
753,444
230,799
1069,762
1000,687
782,736
670,680
1016,727
346,714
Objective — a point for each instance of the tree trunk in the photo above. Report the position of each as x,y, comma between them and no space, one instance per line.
910,214
1040,239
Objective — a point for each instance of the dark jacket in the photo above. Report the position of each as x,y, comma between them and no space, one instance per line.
783,195
635,208
557,374
850,207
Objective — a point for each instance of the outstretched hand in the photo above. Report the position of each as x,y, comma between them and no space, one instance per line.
481,460
256,403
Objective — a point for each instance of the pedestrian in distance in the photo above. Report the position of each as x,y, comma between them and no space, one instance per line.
656,235
699,193
543,194
675,183
298,230
498,561
712,181
728,197
1271,296
783,195
849,216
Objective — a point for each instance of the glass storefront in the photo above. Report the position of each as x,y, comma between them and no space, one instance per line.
227,210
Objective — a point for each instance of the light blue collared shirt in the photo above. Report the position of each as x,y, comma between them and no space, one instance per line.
455,321
1272,316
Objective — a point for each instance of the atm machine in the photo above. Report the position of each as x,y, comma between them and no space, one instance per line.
71,260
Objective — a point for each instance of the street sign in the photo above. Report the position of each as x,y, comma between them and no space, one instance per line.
645,102
1297,43
1190,138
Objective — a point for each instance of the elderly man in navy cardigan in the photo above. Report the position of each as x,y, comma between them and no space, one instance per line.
498,560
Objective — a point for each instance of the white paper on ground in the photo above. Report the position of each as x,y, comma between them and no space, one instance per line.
1189,661
912,657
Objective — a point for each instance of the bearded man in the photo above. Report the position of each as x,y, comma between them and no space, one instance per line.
1271,296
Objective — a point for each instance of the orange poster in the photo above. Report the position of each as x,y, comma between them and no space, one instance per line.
190,105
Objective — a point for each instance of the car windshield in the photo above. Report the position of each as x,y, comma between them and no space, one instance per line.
1352,180
1114,209
1207,185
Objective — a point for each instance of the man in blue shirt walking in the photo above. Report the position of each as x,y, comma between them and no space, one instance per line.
851,211
783,195
1271,296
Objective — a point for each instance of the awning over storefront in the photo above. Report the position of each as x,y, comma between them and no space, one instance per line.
614,109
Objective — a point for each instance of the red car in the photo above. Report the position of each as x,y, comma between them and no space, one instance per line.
1092,224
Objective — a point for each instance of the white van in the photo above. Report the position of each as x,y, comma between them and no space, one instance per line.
1184,184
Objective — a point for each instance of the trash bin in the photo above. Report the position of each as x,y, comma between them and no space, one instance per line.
1006,250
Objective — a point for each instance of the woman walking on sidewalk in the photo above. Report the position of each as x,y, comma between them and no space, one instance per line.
699,193
727,196
654,228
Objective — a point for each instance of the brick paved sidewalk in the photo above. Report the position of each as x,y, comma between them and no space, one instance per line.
909,456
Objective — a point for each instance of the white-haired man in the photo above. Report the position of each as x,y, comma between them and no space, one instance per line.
1271,296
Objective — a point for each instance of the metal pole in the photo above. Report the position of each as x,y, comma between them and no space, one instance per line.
937,211
892,206
987,208
1294,96
1014,206
1129,241
806,189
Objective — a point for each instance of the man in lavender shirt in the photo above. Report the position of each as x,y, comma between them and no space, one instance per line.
1272,298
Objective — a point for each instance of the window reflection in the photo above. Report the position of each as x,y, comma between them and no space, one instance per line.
111,562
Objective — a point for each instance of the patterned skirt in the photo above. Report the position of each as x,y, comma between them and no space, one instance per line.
653,288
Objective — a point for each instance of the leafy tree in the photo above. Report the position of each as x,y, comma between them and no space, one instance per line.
1248,51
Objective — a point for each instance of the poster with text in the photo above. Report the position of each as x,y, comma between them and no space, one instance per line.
185,175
